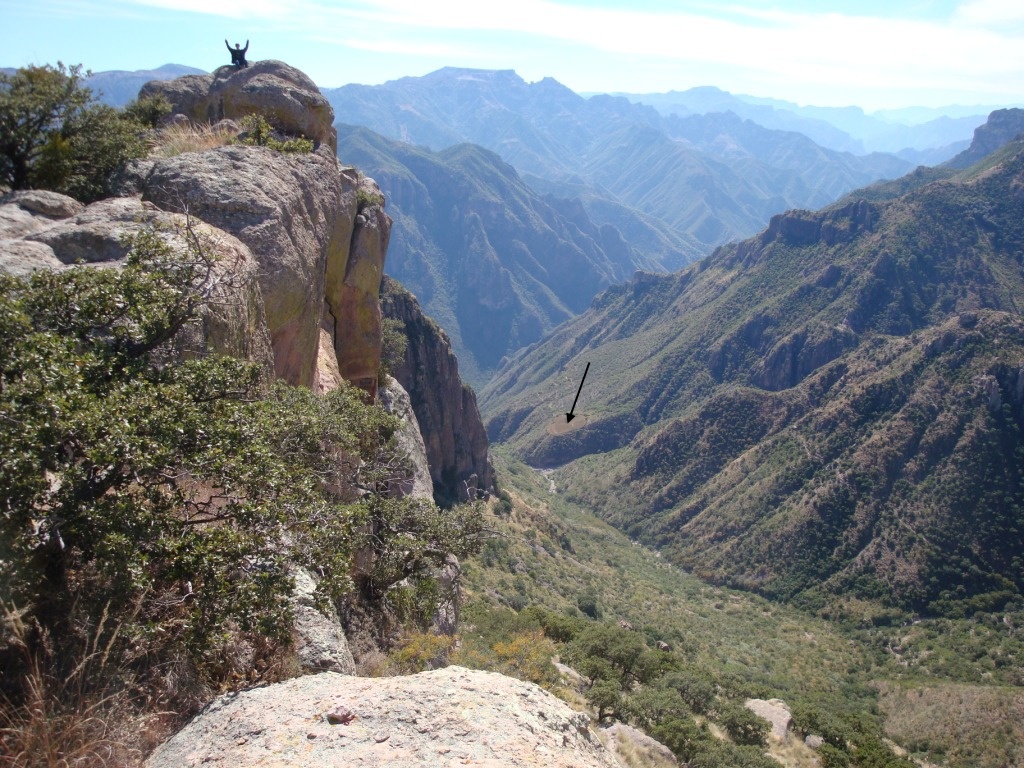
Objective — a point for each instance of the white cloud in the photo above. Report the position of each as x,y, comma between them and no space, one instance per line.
992,13
976,50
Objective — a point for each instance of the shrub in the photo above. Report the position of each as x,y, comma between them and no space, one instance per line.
420,651
54,135
743,726
148,111
393,346
367,199
257,132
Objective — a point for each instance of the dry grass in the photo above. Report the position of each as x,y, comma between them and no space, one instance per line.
83,718
179,139
961,725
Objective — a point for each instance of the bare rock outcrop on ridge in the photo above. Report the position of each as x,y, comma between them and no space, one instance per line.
447,717
287,97
296,212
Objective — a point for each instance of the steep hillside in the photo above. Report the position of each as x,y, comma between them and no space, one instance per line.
710,177
832,407
495,263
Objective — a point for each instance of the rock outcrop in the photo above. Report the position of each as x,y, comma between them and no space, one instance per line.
455,438
289,100
447,717
320,642
776,712
395,399
1002,127
45,230
297,213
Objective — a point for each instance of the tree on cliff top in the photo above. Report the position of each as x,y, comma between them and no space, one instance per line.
54,135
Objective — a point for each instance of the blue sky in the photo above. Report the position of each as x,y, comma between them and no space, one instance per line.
870,53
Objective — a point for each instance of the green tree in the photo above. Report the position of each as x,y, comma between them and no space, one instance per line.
166,500
744,726
53,135
606,697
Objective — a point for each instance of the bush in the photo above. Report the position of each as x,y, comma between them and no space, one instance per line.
159,504
366,199
393,346
55,136
257,132
743,726
148,111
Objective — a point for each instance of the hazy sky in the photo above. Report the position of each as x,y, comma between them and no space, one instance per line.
871,53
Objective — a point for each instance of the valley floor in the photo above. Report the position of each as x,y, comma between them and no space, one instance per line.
949,691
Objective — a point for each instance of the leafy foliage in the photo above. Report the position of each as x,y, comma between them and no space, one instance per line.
162,502
257,132
55,136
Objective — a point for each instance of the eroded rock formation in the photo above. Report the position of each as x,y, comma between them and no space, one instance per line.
45,230
453,432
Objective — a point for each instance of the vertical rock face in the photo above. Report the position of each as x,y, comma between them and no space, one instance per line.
286,209
454,434
321,252
352,312
317,258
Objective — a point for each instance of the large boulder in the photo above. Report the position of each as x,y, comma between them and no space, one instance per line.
446,717
285,96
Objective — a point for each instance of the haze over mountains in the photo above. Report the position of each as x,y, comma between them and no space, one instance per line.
713,177
598,187
919,134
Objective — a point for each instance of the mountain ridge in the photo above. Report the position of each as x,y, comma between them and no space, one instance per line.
729,401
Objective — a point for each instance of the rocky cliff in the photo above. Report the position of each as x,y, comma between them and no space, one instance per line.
321,253
456,442
1002,126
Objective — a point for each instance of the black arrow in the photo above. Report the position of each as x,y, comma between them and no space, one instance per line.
570,415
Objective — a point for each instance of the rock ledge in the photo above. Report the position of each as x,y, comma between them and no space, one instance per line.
447,717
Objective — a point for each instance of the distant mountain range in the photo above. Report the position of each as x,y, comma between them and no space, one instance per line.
712,177
830,411
117,87
496,263
913,133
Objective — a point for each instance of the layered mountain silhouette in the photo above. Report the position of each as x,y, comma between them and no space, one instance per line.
830,410
712,177
496,263
913,133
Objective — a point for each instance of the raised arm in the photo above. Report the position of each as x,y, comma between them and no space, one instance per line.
227,44
246,45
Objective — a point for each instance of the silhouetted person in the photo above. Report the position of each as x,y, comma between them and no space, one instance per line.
238,54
